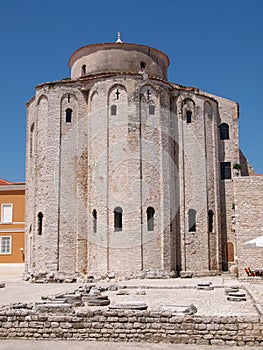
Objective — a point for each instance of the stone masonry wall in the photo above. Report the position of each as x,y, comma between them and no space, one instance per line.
143,326
249,221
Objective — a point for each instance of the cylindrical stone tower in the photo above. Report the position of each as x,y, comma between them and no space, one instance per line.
122,168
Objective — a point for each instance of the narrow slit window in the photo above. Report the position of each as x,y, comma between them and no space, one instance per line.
152,109
188,117
210,221
39,223
191,220
32,139
94,220
224,131
113,110
150,219
68,115
118,219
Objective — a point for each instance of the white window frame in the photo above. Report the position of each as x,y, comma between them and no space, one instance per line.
10,250
2,213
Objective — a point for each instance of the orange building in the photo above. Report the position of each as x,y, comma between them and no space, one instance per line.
12,226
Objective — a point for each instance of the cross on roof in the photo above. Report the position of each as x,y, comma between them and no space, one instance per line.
119,41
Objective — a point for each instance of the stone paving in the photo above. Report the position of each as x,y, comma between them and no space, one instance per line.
90,345
159,292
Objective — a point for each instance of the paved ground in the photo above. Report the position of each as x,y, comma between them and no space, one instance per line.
158,293
84,345
17,290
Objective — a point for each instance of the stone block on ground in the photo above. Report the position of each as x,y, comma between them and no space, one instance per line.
205,286
129,305
186,274
180,309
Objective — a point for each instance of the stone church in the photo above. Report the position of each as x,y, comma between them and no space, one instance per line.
127,172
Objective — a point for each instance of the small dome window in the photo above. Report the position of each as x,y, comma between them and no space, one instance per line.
83,70
143,65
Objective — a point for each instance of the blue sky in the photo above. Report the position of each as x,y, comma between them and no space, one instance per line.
215,45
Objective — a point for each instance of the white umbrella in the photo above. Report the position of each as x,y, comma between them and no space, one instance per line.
256,242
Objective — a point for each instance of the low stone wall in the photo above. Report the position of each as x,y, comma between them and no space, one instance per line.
144,326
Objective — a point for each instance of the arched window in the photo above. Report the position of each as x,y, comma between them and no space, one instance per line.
188,117
68,115
39,223
224,131
150,219
113,110
191,220
83,70
94,220
142,65
118,219
188,110
210,221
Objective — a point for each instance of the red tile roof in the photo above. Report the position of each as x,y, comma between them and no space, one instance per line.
5,183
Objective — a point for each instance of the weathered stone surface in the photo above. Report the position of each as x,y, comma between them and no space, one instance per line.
180,309
113,288
141,291
54,308
97,300
122,292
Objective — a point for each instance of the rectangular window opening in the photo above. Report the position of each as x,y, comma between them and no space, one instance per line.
152,110
225,168
7,213
188,117
5,243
